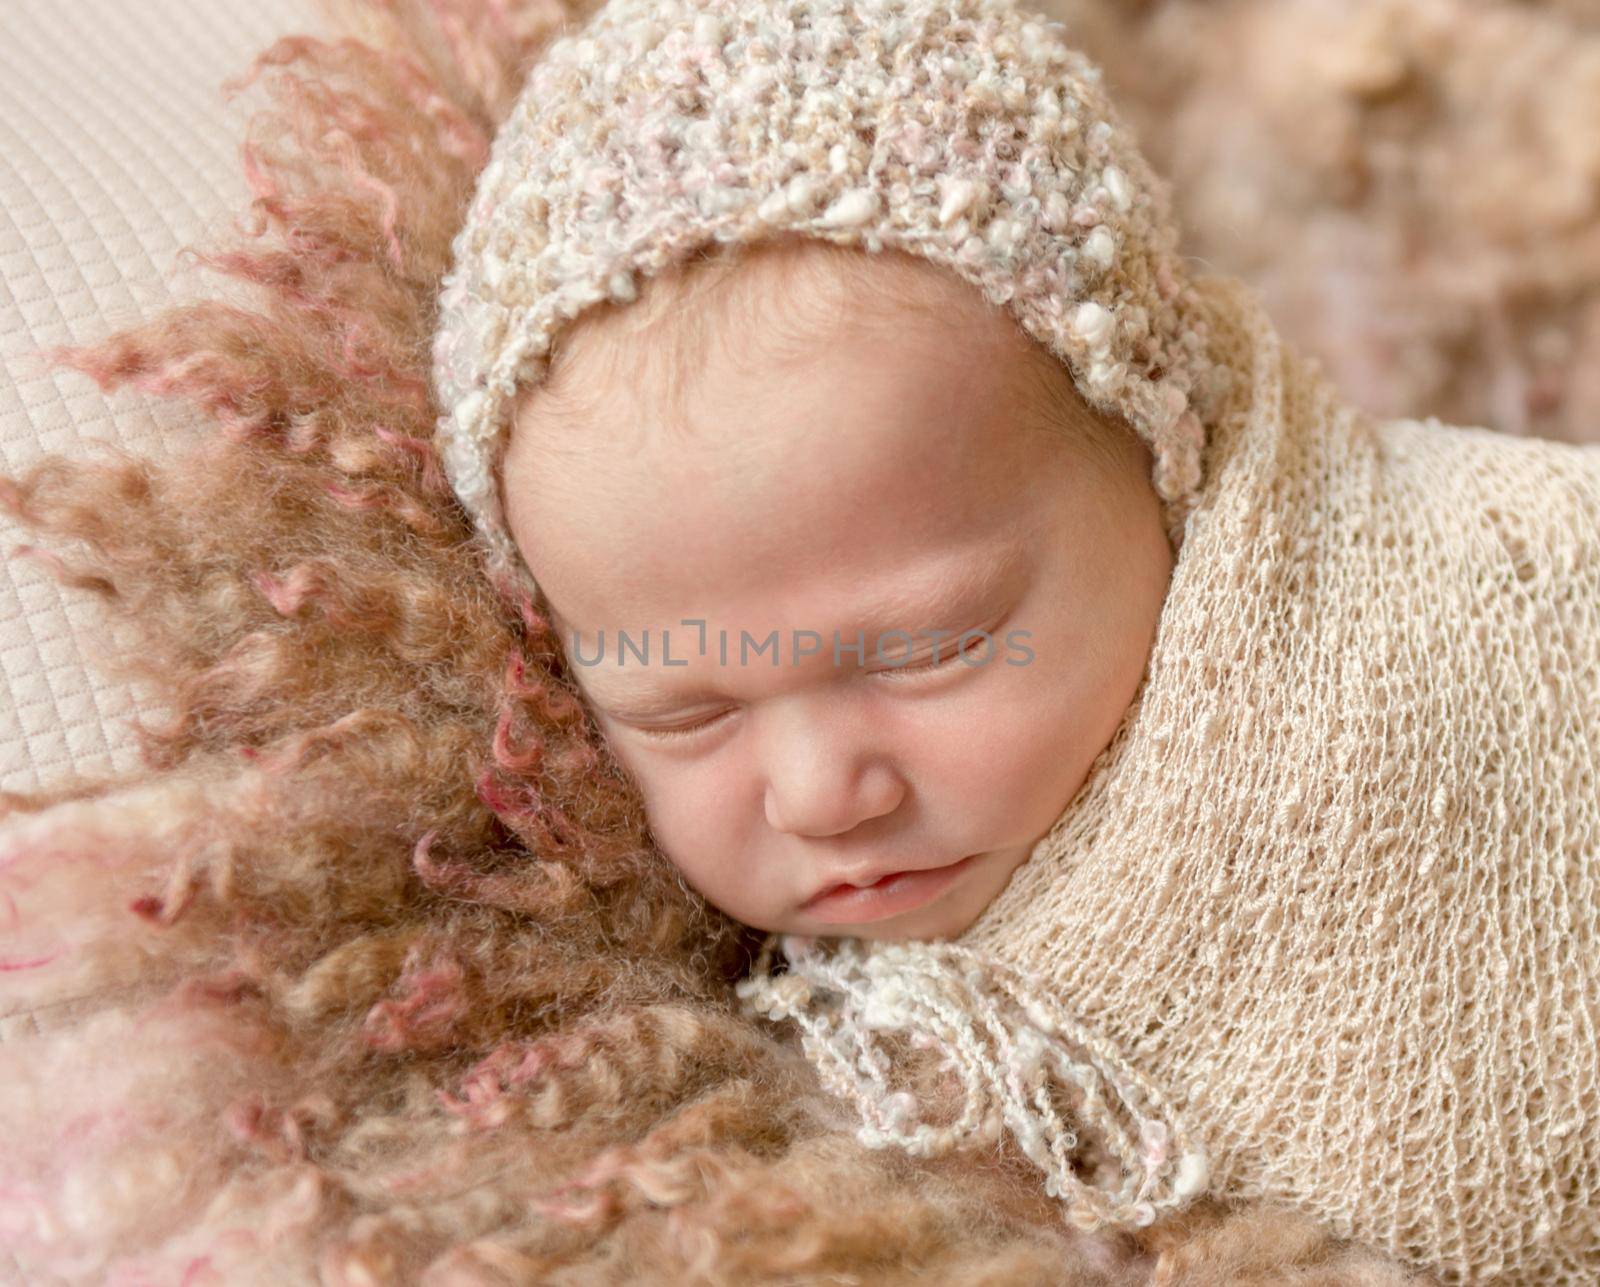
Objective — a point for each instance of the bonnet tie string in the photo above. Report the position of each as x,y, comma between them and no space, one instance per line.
1007,1047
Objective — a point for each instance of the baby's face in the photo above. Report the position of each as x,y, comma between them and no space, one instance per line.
885,482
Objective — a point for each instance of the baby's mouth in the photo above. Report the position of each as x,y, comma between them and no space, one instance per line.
890,894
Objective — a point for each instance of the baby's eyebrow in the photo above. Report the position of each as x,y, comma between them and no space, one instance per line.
947,598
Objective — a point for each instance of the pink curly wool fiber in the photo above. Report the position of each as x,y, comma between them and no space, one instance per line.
1321,925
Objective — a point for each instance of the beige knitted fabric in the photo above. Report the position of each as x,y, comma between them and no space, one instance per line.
1322,925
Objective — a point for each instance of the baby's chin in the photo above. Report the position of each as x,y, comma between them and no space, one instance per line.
886,931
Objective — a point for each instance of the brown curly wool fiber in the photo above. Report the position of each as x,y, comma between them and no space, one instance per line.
370,975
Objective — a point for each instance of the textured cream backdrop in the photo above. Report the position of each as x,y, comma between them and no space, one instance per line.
116,150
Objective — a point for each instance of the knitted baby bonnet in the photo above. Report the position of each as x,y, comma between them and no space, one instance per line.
965,131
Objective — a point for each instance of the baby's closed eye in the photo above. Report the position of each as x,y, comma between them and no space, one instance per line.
944,653
941,655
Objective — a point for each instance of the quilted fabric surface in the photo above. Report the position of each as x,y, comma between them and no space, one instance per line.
116,151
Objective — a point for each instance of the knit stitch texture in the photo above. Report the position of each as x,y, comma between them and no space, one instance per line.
965,131
1322,924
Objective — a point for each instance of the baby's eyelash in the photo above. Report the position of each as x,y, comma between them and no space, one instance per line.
932,663
681,730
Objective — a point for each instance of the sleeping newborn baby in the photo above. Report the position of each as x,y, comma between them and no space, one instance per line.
1193,774
835,567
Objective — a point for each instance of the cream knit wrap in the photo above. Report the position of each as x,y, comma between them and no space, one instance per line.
1322,925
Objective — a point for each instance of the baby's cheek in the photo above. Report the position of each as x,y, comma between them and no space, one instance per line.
689,810
1019,749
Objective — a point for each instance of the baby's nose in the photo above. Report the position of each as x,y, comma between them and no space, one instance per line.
818,789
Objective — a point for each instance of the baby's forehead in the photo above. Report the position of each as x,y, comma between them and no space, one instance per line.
902,392
823,400
826,546
850,429
877,588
